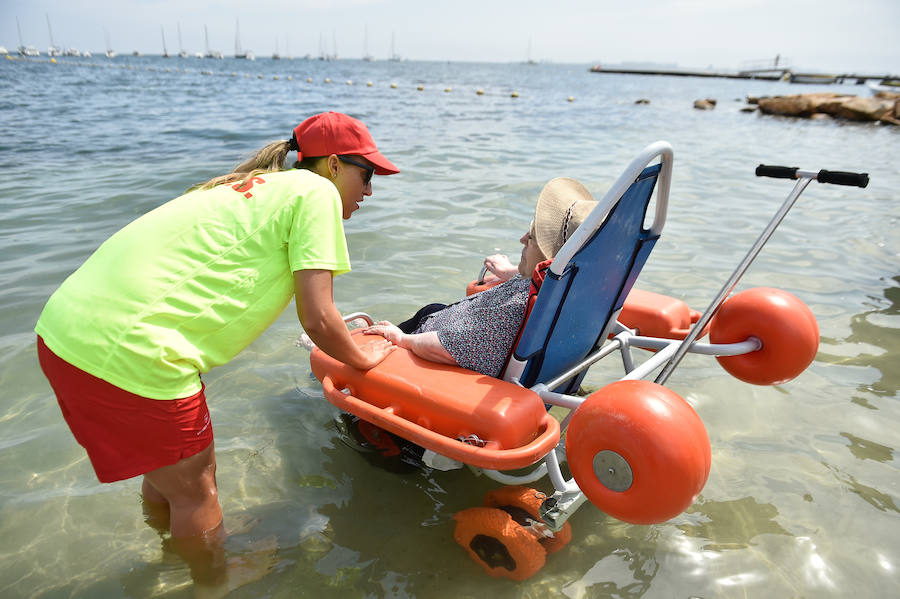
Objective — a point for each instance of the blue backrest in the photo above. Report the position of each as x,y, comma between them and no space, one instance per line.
576,305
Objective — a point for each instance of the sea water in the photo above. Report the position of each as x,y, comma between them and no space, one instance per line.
802,499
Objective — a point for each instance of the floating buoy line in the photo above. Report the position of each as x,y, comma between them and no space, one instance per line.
420,87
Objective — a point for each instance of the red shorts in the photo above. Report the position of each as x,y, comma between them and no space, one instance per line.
125,434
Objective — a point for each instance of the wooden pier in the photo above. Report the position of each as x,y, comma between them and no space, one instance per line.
771,74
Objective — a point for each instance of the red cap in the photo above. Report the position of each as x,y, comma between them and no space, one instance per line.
336,133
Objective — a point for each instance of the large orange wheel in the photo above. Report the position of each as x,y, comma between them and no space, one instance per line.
782,322
495,541
522,504
638,451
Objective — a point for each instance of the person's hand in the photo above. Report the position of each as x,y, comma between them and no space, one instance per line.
499,265
376,351
386,330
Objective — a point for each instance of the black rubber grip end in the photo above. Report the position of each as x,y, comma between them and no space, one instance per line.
843,178
777,172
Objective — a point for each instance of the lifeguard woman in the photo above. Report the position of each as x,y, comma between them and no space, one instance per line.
185,288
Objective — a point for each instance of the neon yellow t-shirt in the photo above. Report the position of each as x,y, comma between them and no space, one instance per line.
190,284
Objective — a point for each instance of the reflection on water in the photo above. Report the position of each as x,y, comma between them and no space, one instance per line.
624,568
880,500
875,333
868,450
732,524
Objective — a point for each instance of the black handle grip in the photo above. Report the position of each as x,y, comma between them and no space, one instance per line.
777,172
843,178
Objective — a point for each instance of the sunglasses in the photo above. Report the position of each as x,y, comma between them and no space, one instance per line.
369,170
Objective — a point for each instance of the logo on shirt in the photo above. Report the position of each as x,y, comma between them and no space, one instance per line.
245,186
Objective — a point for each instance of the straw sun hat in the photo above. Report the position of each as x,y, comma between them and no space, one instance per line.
562,206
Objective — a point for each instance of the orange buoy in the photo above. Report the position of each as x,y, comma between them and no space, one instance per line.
781,321
523,504
638,451
500,545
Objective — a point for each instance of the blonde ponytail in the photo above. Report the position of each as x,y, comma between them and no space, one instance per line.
267,160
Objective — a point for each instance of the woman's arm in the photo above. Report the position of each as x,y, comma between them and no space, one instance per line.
323,323
425,345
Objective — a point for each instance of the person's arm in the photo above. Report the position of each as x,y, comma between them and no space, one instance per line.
425,345
323,323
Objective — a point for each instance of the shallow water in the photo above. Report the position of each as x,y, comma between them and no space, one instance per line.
802,499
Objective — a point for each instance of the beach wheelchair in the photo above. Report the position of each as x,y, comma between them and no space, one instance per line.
634,448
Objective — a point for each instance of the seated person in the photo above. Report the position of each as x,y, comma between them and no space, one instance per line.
478,331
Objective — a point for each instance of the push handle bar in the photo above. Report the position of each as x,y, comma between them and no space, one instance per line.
779,172
823,176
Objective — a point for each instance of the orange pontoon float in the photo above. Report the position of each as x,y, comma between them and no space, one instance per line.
585,310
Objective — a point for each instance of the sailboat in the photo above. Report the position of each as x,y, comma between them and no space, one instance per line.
366,56
209,53
110,53
238,51
528,59
162,32
181,51
394,56
54,50
276,55
25,51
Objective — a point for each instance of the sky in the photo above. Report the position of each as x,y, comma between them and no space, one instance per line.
836,36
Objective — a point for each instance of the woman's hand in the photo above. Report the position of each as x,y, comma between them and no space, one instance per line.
425,345
325,327
499,265
388,331
377,350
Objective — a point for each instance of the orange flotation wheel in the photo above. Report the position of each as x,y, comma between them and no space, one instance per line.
503,547
782,322
506,536
524,504
638,451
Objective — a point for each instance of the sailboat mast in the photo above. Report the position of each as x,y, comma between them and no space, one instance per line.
53,49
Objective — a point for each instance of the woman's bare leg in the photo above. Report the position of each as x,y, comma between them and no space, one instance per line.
189,487
198,535
156,508
195,518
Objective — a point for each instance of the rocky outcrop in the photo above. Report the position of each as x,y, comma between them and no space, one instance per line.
841,106
859,109
705,104
802,105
